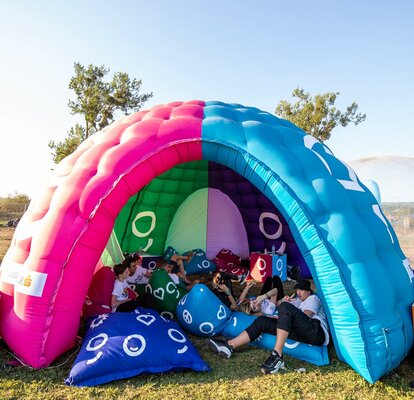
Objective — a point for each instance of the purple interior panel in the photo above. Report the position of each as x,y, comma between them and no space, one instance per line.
265,225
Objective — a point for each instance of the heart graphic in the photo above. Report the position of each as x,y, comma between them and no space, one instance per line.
146,319
159,293
221,313
182,301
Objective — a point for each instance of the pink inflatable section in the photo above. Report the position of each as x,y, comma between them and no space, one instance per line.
47,270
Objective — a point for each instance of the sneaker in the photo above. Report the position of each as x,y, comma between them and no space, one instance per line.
220,347
273,363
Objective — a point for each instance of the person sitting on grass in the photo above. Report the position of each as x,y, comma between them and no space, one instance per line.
222,287
301,319
120,301
178,278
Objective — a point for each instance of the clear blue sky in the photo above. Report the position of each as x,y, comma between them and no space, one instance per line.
250,52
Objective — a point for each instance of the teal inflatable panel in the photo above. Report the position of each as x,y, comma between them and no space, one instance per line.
363,278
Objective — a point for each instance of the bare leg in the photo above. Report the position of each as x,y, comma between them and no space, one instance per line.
180,264
240,340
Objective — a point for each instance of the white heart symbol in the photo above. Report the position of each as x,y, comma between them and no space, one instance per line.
159,293
146,319
221,312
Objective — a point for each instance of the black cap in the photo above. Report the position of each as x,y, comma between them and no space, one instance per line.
303,284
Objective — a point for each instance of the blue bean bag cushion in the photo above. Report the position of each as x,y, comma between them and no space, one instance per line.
122,345
169,252
317,355
199,263
201,313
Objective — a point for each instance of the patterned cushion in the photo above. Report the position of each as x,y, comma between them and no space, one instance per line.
122,345
201,313
165,292
199,263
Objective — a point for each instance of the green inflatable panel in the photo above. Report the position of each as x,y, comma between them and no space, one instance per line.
188,229
165,292
144,221
112,254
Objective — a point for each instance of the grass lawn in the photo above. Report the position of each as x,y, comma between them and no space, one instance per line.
236,378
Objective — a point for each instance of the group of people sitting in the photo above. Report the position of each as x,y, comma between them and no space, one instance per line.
299,317
131,273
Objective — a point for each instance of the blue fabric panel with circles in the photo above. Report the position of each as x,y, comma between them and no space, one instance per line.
122,345
199,263
317,355
201,313
363,279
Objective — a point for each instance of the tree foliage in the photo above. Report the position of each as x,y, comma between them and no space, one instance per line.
318,115
18,197
97,102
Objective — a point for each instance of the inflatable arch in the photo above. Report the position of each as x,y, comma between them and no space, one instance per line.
351,250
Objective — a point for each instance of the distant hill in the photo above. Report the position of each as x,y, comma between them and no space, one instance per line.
393,174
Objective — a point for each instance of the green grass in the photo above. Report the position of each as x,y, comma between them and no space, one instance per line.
236,378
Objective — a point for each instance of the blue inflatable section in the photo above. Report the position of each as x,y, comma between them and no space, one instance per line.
363,278
201,313
317,355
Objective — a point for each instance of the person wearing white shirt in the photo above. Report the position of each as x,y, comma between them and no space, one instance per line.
301,319
120,297
138,275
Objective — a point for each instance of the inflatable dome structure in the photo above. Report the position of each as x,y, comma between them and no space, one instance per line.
146,173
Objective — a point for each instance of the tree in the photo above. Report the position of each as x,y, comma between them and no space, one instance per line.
318,115
18,197
97,102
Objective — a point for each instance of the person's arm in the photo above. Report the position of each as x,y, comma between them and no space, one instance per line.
309,313
245,291
115,303
222,287
264,296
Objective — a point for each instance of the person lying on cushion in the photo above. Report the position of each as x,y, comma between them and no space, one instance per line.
178,278
301,319
138,275
120,301
267,302
177,261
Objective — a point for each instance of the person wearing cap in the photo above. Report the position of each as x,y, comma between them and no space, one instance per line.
300,318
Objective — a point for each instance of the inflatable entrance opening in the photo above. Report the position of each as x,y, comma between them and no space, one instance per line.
156,167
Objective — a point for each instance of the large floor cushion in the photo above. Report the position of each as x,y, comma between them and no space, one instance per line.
165,292
199,263
98,300
201,313
228,262
317,355
122,345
